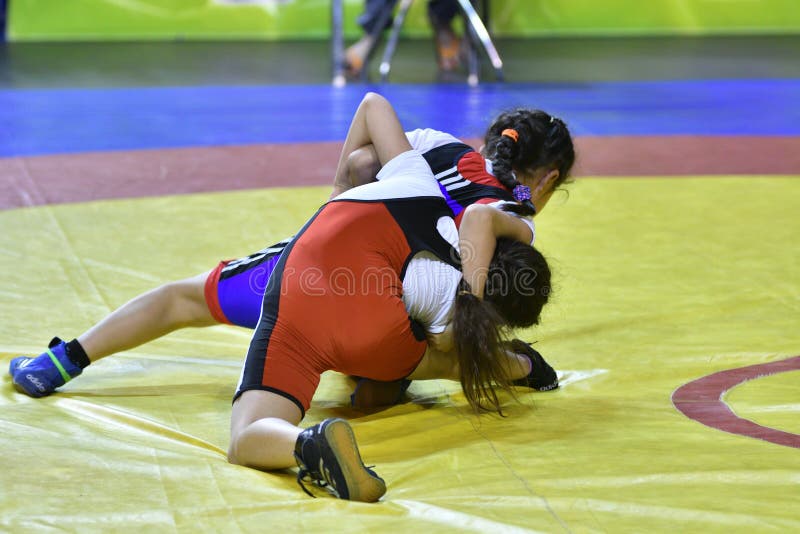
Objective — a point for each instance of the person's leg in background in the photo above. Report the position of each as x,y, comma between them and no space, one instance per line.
448,45
374,20
3,5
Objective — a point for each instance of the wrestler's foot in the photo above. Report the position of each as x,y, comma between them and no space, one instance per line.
40,376
542,376
370,394
327,454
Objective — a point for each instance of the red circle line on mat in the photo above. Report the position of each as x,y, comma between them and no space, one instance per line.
701,400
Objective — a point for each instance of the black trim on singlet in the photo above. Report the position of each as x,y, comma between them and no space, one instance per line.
444,157
472,193
253,260
283,394
418,329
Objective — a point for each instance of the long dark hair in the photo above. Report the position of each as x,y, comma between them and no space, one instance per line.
517,289
543,140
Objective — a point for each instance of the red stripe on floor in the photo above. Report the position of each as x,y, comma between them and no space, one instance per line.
32,181
701,400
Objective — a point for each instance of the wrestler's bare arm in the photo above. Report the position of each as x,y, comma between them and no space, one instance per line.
374,123
442,341
478,233
437,364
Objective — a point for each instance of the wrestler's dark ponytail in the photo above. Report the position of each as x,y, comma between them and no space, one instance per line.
526,140
477,337
517,288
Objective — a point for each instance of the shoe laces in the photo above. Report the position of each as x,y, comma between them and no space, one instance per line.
321,477
304,474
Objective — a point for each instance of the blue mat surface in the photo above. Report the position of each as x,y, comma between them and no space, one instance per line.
47,121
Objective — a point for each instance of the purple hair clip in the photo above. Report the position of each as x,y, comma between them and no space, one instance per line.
522,192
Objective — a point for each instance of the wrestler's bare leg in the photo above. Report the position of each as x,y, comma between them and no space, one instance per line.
149,316
265,436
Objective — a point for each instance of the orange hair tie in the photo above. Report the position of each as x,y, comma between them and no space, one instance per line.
512,133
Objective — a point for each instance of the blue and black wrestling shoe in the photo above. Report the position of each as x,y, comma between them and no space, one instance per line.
542,376
40,376
328,455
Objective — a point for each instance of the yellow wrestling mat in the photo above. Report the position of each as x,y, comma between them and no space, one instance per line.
659,282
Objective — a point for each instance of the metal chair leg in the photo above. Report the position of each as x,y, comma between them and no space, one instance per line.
473,62
482,35
394,37
337,43
386,14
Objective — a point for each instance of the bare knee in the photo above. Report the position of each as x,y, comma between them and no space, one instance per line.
232,458
233,448
261,447
186,303
363,165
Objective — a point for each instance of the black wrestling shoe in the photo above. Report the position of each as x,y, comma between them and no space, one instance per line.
542,377
328,455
